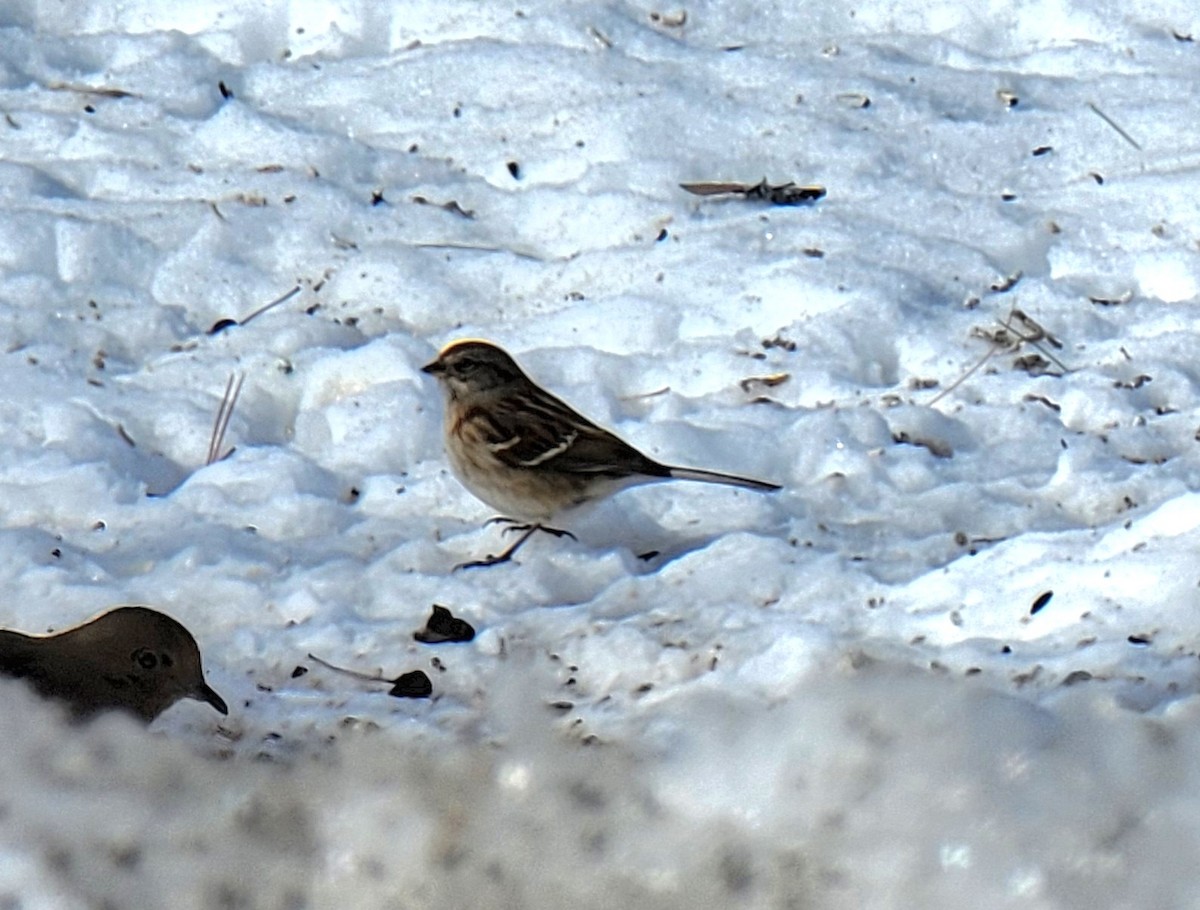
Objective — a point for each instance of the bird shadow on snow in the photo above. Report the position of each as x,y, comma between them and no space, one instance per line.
652,543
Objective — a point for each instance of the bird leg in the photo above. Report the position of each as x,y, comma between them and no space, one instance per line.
527,530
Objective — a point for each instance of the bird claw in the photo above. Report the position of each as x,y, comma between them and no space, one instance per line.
527,531
490,560
513,528
557,532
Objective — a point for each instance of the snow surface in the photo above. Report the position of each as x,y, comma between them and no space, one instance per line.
837,696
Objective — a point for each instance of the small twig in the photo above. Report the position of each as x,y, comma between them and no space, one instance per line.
600,37
270,306
221,324
1037,334
99,91
414,684
355,673
965,376
640,395
1109,120
1008,340
233,388
481,248
1037,331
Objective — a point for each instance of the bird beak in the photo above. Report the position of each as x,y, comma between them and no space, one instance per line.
206,694
434,368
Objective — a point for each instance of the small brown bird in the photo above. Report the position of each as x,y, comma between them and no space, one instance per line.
528,454
131,659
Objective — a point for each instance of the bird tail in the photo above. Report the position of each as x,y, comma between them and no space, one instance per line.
717,477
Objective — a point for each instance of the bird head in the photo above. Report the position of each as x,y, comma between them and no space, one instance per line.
472,366
156,655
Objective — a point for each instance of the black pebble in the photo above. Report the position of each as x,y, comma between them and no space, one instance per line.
444,626
412,685
1042,600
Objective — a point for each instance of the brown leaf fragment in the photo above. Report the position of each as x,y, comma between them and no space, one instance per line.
1033,364
1036,331
1007,283
1040,602
854,99
779,342
1042,399
100,91
1112,301
777,194
452,206
937,447
1135,383
769,381
713,188
674,19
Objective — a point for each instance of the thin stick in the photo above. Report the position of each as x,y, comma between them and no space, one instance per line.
485,248
604,40
233,388
1109,120
355,673
965,376
270,306
1037,334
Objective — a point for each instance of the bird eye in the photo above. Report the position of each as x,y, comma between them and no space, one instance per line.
145,659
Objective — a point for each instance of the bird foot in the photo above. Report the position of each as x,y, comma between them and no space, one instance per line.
527,530
515,525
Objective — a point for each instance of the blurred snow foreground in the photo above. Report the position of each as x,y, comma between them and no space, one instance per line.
952,664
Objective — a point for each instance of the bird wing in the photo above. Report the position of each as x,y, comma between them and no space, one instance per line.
539,432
